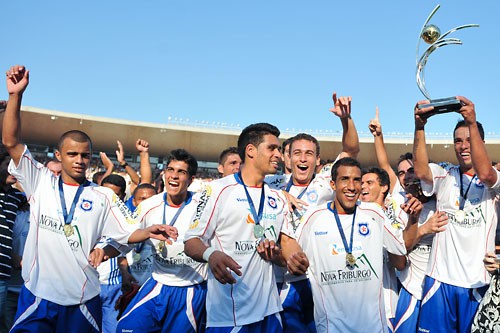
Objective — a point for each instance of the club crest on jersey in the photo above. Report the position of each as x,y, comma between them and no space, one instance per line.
86,205
478,183
272,202
312,196
363,229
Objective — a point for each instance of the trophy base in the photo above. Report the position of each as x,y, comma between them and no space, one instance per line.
442,105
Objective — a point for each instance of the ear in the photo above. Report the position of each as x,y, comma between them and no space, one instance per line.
385,189
220,168
58,155
250,151
318,161
191,180
332,185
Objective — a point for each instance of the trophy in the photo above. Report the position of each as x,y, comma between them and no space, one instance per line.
432,35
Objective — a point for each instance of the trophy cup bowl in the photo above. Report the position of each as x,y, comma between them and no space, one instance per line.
431,34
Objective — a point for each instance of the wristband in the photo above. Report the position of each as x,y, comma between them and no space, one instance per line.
208,252
124,165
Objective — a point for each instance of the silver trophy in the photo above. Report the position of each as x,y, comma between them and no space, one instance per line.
432,35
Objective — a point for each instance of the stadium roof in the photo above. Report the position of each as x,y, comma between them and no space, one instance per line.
43,127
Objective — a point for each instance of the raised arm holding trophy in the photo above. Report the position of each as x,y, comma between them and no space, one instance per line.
432,35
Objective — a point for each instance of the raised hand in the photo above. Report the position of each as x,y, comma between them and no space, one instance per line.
342,106
17,79
141,145
374,126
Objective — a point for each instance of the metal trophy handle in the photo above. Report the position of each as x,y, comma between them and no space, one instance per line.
432,35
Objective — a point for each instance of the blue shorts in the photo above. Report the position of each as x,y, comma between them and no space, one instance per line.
270,324
35,314
161,308
298,307
109,295
407,310
447,308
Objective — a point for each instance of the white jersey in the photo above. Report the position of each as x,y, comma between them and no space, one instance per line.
318,192
342,294
457,253
224,220
140,261
412,276
171,266
56,267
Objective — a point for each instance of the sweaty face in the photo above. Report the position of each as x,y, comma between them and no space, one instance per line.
371,191
231,165
303,161
75,158
461,142
347,187
267,155
177,181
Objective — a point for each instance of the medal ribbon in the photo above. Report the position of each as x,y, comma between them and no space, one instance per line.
174,219
463,196
256,216
290,183
347,247
68,217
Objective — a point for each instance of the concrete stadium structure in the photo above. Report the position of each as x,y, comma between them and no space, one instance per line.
43,127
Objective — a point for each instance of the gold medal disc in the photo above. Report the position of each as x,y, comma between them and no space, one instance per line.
68,230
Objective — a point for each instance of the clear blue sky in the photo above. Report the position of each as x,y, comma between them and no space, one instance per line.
242,62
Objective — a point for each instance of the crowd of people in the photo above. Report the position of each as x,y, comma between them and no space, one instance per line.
281,242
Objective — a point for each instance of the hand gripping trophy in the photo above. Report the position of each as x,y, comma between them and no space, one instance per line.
432,35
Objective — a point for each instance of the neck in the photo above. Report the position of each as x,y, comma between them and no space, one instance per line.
340,209
176,200
467,170
251,177
70,180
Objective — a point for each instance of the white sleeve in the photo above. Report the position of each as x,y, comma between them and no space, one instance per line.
28,172
438,175
205,218
393,237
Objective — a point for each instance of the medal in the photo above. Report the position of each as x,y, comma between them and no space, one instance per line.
68,230
258,231
161,245
350,259
137,257
460,215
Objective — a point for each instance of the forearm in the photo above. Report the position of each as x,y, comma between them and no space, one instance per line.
420,156
11,129
383,159
410,234
140,235
134,177
350,139
145,168
481,162
195,248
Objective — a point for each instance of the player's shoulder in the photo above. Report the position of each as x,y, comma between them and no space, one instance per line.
372,209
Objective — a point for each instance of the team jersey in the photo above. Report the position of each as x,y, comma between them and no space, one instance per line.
56,267
224,220
140,261
171,266
457,253
412,276
334,284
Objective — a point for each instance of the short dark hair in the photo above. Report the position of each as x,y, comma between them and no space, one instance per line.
405,157
346,161
286,143
225,153
116,180
462,123
254,134
144,186
307,137
52,160
183,156
382,175
74,135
